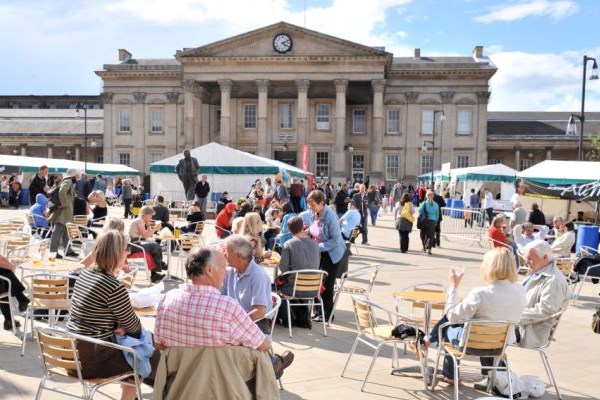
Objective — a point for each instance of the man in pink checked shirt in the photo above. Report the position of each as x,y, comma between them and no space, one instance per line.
198,314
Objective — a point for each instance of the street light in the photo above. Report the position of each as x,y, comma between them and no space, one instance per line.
432,141
571,129
78,109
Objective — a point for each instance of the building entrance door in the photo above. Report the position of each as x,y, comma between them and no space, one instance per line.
288,157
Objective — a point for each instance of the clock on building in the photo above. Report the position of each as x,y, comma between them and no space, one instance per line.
282,43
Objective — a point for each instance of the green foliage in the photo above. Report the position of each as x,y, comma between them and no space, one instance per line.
594,153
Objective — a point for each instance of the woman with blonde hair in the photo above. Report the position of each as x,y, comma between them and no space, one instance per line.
252,229
141,233
100,307
502,299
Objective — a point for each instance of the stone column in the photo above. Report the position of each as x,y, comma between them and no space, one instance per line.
77,152
444,140
50,151
340,172
263,92
548,153
172,141
23,149
225,85
481,132
109,128
412,152
139,132
189,115
518,158
376,173
302,117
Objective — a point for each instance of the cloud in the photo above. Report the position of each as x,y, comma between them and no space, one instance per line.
555,10
541,82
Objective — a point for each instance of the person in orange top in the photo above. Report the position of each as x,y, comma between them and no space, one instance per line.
224,220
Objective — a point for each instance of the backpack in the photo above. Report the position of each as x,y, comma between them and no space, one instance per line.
53,200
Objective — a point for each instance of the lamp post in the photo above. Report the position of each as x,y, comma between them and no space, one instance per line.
78,109
432,141
571,129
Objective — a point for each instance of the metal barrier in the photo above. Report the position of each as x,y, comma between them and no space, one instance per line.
463,224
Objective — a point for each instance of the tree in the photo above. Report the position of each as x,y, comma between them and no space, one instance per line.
594,153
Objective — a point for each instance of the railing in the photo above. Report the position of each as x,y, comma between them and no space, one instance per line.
463,224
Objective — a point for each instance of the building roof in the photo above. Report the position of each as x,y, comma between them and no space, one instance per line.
536,124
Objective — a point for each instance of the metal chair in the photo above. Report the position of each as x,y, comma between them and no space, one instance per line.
198,227
276,300
36,230
375,334
307,289
49,295
555,319
80,220
581,279
481,338
186,243
521,265
60,358
6,298
344,287
352,239
416,309
139,263
76,239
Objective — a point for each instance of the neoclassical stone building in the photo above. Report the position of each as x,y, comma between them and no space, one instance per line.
360,110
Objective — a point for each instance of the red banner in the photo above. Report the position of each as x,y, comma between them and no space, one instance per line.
305,157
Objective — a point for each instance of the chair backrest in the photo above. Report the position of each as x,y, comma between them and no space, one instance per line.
49,287
80,220
307,283
74,232
189,241
15,242
128,279
13,225
496,243
176,204
363,313
139,263
276,302
565,265
354,234
199,228
59,354
370,271
30,220
491,336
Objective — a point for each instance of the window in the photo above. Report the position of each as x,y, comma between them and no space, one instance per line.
156,156
427,122
462,161
157,119
391,167
426,163
125,159
249,116
100,159
218,121
393,121
323,116
358,168
125,121
464,122
322,164
286,116
359,121
525,163
494,161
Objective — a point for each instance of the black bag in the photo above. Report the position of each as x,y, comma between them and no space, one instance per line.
422,218
53,200
403,331
596,321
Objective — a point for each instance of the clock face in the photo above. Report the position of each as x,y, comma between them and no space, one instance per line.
282,43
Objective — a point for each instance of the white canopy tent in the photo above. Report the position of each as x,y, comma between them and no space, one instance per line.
227,169
476,177
32,164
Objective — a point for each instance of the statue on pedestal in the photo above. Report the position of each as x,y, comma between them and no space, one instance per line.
187,171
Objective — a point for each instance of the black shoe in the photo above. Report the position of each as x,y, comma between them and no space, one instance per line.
59,256
482,384
155,277
23,305
8,324
71,253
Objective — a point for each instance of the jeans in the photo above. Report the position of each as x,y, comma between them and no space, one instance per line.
373,210
59,235
203,202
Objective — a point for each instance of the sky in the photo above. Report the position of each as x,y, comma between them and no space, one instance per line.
53,47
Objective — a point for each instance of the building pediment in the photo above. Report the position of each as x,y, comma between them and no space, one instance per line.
302,43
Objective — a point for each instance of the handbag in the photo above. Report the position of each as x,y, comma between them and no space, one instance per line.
422,218
596,321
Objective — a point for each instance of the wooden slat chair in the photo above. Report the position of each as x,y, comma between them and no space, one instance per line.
60,358
345,286
376,332
36,230
6,298
307,288
198,227
76,239
352,239
416,310
178,207
80,220
186,243
481,338
49,295
34,249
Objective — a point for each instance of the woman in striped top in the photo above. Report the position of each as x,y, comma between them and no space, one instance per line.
100,307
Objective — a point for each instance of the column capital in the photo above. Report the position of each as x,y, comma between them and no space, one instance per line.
302,85
172,97
378,85
225,85
107,97
411,97
262,84
340,85
139,97
447,97
483,97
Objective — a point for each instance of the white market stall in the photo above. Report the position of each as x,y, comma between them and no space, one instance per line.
477,177
227,169
31,165
551,182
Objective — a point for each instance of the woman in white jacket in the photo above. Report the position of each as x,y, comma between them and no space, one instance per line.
503,299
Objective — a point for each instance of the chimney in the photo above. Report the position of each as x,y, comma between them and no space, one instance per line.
478,52
417,53
124,55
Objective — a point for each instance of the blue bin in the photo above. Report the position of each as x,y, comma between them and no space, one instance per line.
587,235
449,204
457,203
24,196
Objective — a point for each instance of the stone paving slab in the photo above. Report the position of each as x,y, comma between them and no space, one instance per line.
315,373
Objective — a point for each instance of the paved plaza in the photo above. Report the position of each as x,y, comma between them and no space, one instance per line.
315,373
